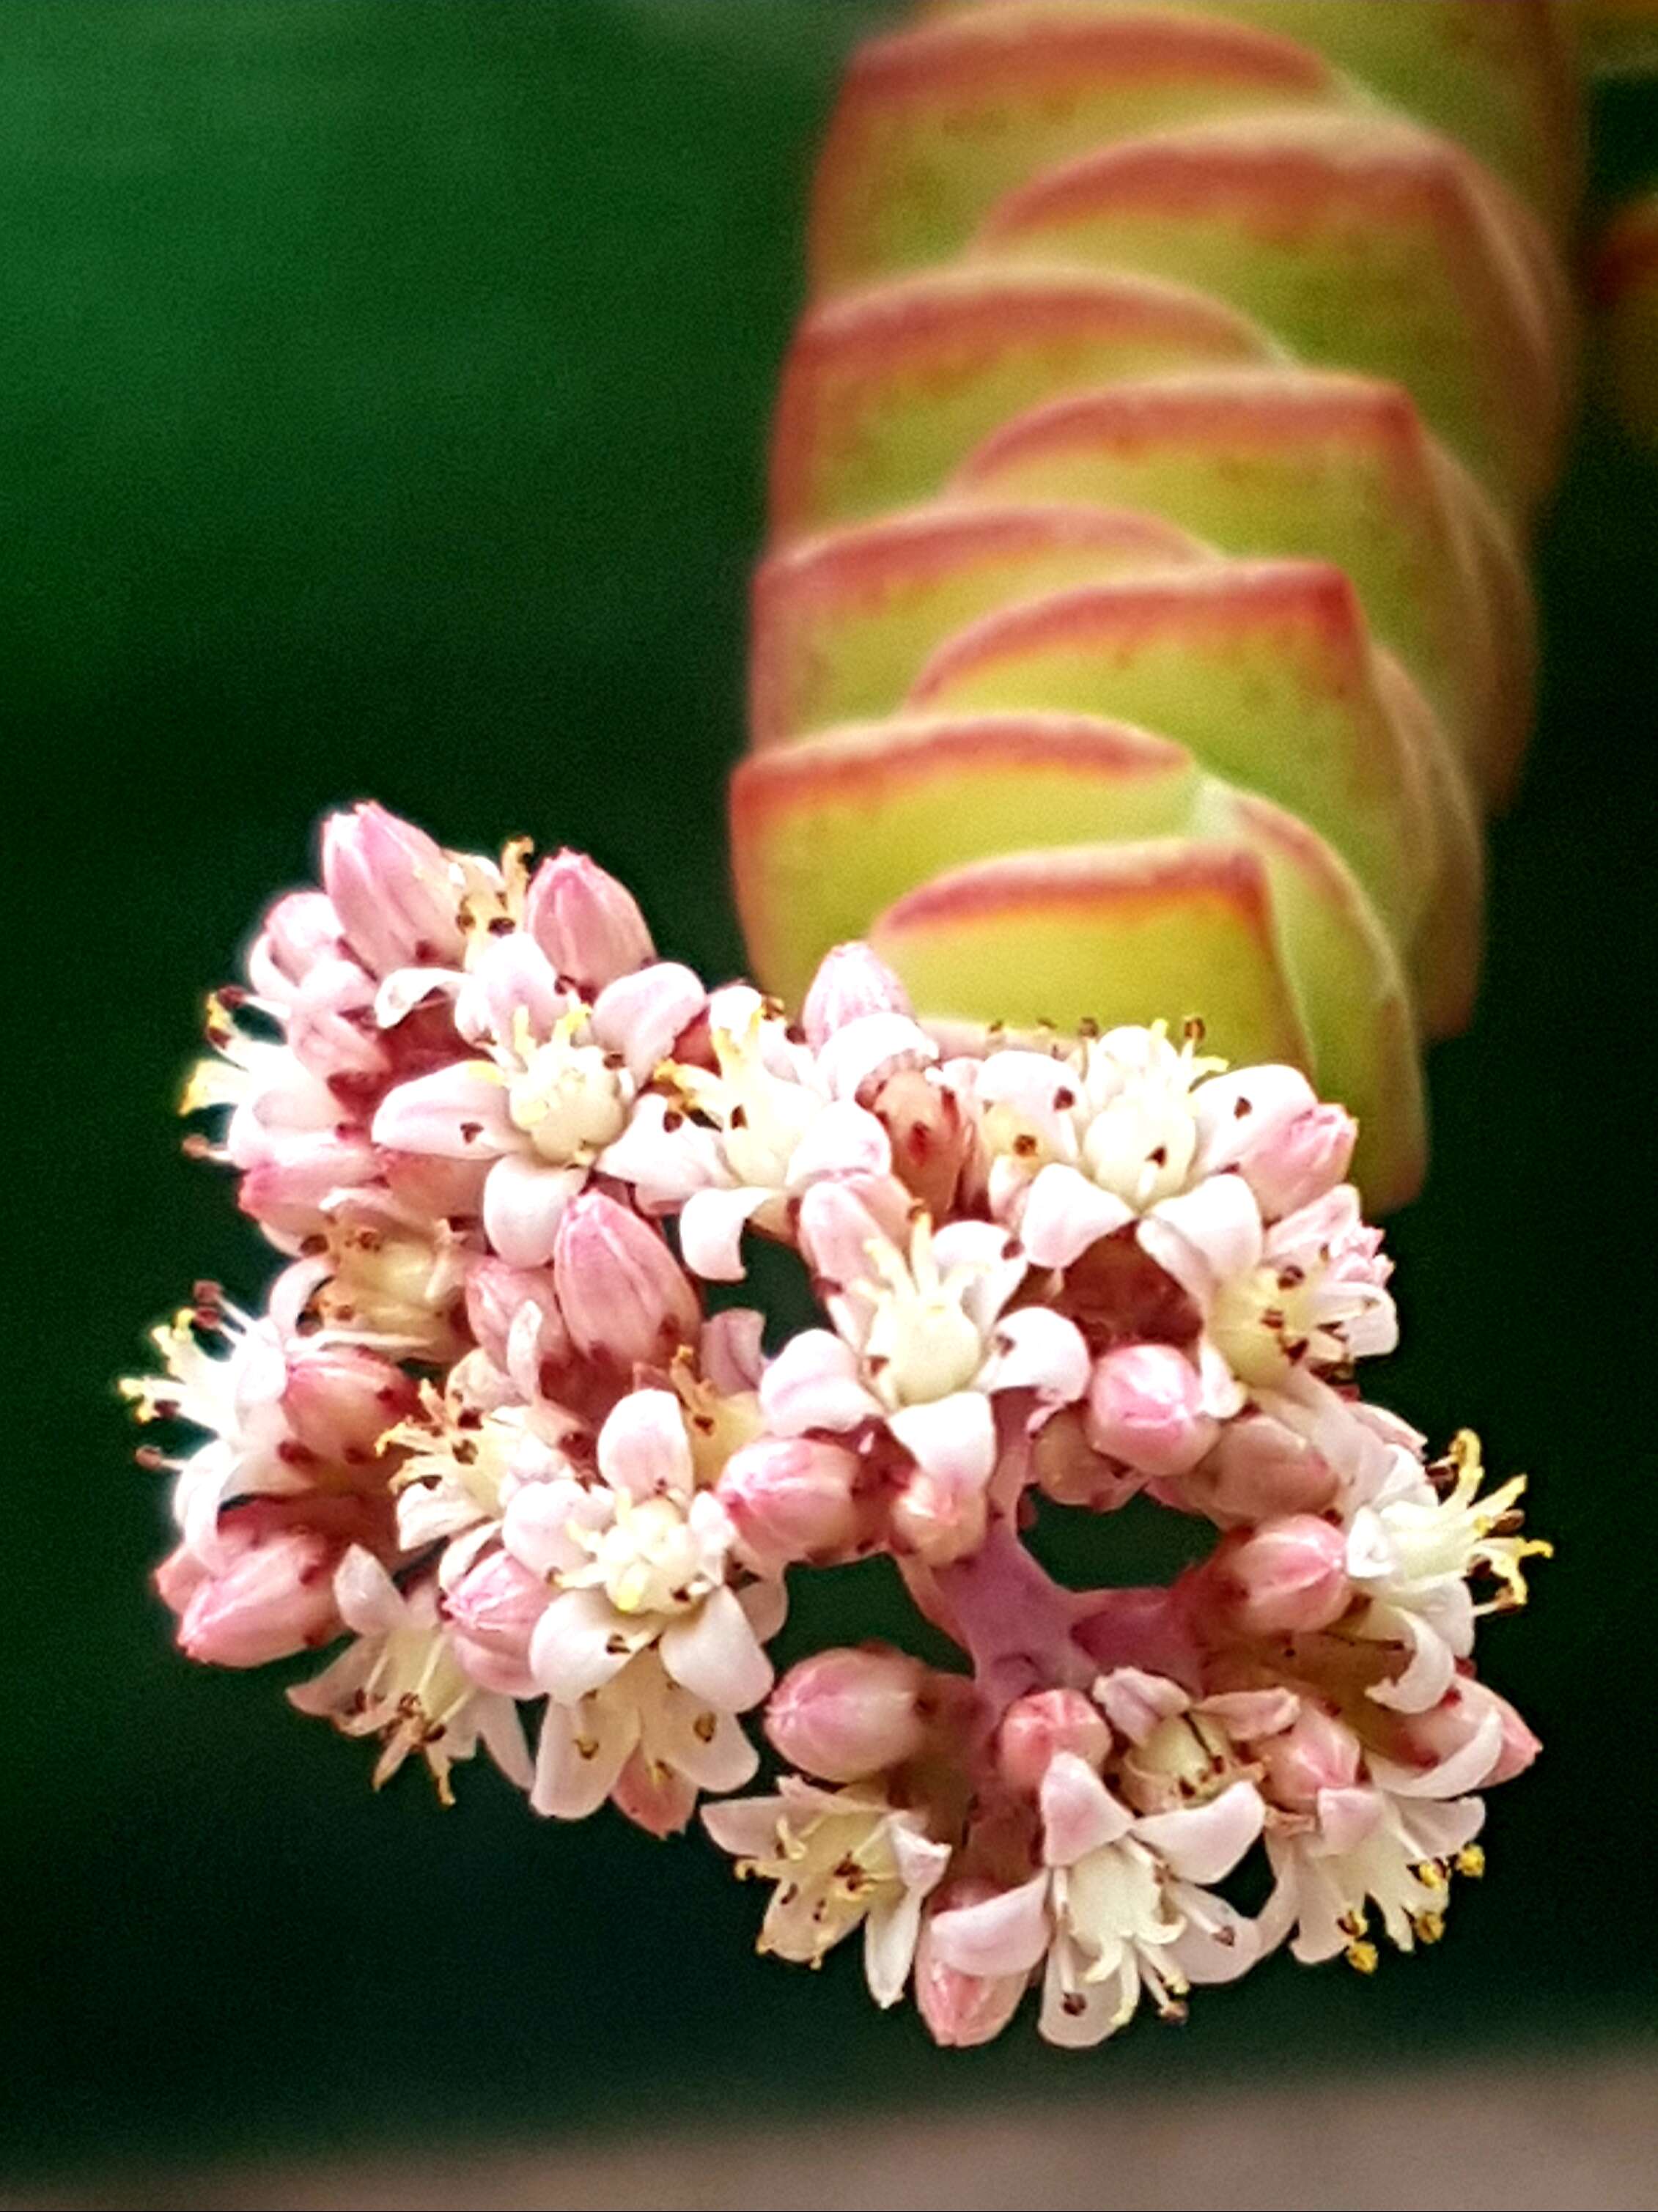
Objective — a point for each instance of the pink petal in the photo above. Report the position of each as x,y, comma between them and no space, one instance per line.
766,1605
747,1826
1137,1704
459,1113
842,1140
1079,1814
953,1439
643,1449
1065,1214
813,1384
524,1202
1346,1818
714,1653
1204,1842
1005,1934
640,1016
1036,1349
581,1642
729,1349
711,1231
583,1749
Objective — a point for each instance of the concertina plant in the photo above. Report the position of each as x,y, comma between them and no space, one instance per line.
1148,474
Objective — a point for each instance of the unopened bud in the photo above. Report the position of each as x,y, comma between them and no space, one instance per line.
1289,1576
585,922
341,1399
271,1595
391,887
626,1300
791,1499
493,1610
843,1714
1302,1162
1038,1726
297,932
850,981
937,1518
1258,1470
1145,1408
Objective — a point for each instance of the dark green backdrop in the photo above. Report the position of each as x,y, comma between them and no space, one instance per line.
384,390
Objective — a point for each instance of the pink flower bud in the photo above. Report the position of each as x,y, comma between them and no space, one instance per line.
585,922
299,931
391,887
1315,1752
1145,1407
271,1595
843,1714
493,1610
789,1499
962,2010
850,980
1299,1162
341,1399
1258,1470
497,1297
1287,1577
1036,1727
840,1217
938,1519
931,1137
626,1300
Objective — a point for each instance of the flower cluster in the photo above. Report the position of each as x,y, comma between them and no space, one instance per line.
489,1439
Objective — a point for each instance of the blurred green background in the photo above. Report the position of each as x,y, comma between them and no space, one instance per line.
384,396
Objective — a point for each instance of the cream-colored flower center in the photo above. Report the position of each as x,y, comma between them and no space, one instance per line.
921,1343
649,1559
1140,1146
571,1101
761,1115
1263,1322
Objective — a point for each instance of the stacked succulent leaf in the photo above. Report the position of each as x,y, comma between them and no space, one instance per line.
1145,629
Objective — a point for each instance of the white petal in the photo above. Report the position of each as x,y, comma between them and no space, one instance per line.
711,1231
1037,1349
370,1603
456,1113
501,1732
953,1438
643,1449
524,1202
871,1045
714,1654
746,1827
581,1642
1206,1237
708,1746
813,1384
890,1934
1065,1214
766,1605
405,988
1005,1934
1219,1952
1204,1842
1079,1814
1100,2007
1427,1674
583,1749
1235,1112
1463,1771
640,1015
842,1140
